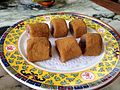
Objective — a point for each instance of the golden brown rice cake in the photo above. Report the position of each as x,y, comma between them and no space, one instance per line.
59,27
68,48
77,27
91,44
38,49
38,30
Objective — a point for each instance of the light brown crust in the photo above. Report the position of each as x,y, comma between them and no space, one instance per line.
59,27
38,49
92,44
38,30
68,48
77,27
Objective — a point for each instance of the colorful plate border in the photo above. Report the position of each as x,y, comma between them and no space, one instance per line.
21,78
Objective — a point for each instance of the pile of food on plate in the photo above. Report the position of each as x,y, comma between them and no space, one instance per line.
39,47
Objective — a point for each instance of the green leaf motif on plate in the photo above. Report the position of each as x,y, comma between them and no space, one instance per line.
7,42
101,70
49,87
18,62
57,78
12,56
74,75
107,64
98,82
62,75
44,86
113,39
105,59
53,87
100,74
46,76
16,37
93,84
109,69
63,82
19,58
14,34
33,69
11,40
49,82
16,52
113,62
78,81
25,63
70,79
110,58
8,36
17,31
51,74
24,67
106,39
40,72
101,64
7,54
11,61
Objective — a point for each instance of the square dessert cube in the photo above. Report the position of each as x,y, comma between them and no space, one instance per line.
68,48
38,49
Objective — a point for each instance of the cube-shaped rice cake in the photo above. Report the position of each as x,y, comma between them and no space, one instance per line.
59,27
77,27
38,49
91,44
68,48
38,30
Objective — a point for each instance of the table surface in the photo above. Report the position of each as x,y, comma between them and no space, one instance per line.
10,15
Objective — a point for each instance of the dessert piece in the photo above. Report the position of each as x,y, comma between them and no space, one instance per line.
59,27
91,44
38,30
77,27
68,48
38,49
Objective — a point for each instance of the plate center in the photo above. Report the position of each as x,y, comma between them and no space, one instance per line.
54,64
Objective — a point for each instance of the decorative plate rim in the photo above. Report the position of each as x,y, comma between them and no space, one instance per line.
72,13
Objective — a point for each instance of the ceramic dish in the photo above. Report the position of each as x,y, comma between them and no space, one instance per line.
80,73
